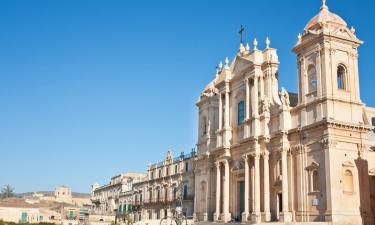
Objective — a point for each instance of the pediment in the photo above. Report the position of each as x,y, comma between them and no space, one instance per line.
240,65
344,33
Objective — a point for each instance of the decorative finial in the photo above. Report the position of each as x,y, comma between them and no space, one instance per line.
268,42
247,47
226,63
255,43
299,37
242,48
324,5
352,30
220,65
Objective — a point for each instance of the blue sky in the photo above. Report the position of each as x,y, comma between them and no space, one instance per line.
89,89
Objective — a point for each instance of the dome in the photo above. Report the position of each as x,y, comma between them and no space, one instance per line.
325,16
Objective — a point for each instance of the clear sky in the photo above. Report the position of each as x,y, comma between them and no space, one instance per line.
89,89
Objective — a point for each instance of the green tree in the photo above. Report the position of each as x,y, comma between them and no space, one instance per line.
7,191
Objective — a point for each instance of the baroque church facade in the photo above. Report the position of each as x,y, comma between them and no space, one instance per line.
268,155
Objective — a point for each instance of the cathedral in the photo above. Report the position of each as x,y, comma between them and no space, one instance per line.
265,154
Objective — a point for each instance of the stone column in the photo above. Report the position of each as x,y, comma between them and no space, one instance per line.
256,212
245,214
247,113
261,86
285,216
208,193
219,141
226,214
255,96
218,190
227,128
266,185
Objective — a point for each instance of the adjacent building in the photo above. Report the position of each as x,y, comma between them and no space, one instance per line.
150,196
265,154
106,199
169,183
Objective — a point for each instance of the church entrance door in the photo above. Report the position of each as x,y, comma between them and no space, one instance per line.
241,197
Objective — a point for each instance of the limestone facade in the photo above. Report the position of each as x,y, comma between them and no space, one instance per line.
166,183
106,199
265,154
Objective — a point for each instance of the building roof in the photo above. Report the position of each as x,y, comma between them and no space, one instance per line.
325,17
21,203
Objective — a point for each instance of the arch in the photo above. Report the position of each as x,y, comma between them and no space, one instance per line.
341,77
240,112
311,76
348,181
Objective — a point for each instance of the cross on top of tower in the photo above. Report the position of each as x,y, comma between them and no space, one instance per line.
242,29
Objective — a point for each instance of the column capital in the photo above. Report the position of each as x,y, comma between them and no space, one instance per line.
217,164
266,154
256,155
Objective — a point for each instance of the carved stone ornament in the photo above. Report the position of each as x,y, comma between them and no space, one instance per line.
238,165
266,105
284,97
328,143
312,166
347,164
372,172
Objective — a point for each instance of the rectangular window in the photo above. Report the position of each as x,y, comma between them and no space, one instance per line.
241,112
71,215
175,169
160,173
185,191
187,167
373,121
167,171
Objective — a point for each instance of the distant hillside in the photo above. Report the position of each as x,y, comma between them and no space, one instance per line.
51,193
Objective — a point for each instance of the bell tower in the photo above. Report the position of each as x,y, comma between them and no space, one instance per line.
328,80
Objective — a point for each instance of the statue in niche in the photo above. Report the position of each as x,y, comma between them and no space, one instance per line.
266,105
284,96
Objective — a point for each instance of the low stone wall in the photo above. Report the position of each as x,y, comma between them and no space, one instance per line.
157,222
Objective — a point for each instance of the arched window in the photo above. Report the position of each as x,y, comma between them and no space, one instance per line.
373,121
348,181
315,180
311,74
240,112
341,77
